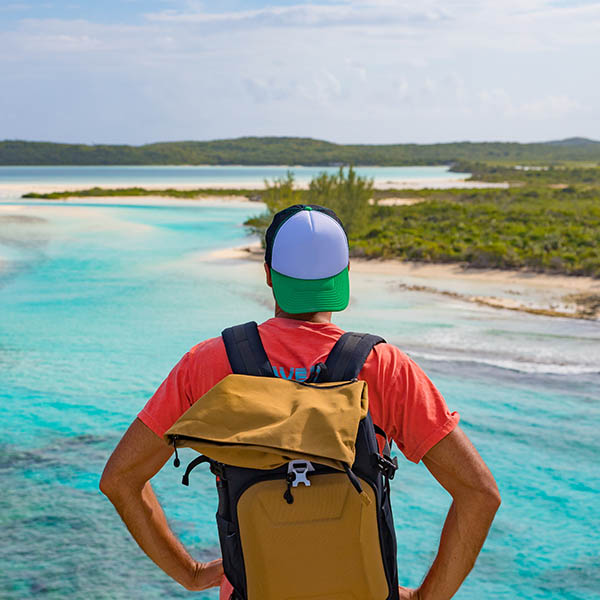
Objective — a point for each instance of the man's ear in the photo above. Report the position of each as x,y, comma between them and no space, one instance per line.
268,274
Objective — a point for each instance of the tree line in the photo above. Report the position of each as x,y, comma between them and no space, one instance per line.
296,151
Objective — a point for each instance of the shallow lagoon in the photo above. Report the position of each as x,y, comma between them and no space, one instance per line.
97,304
206,176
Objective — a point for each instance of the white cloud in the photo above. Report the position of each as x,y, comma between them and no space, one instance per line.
377,70
550,106
313,15
499,102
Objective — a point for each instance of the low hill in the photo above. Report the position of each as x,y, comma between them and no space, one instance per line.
296,151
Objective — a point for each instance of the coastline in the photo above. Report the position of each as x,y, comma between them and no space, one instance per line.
522,291
147,200
11,189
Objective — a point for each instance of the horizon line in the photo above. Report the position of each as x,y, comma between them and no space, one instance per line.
579,139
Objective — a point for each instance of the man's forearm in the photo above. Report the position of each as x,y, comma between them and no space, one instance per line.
464,532
146,521
126,482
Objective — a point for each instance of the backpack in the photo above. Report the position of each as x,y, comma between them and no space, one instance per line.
300,516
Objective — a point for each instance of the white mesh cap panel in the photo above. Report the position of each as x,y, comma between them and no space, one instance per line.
310,245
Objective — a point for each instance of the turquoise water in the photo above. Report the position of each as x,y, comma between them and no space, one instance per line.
98,302
204,176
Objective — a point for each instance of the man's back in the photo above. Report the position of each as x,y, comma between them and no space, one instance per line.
402,400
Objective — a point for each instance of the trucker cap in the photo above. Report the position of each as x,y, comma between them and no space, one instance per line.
307,253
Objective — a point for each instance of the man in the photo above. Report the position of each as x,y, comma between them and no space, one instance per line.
306,264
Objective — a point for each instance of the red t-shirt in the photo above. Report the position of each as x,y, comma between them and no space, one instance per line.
402,399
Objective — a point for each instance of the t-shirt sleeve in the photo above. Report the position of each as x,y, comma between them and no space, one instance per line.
171,399
199,370
405,403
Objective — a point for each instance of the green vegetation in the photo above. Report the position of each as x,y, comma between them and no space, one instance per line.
531,227
556,231
297,151
97,192
549,175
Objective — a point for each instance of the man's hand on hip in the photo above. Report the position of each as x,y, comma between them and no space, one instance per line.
408,594
207,575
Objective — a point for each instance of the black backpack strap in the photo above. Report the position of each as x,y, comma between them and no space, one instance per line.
347,357
245,350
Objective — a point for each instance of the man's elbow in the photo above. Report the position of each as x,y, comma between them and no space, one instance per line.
490,497
106,485
110,486
483,497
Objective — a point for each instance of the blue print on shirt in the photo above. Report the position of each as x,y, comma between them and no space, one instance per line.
294,374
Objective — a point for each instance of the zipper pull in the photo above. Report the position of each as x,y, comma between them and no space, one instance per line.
176,462
288,493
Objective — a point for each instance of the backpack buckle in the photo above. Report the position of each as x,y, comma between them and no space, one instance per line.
300,469
387,465
217,469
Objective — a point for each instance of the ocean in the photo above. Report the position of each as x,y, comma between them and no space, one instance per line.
97,303
206,176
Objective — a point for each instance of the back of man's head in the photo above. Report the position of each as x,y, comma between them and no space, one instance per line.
307,254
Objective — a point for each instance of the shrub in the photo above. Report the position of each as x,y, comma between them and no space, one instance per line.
345,192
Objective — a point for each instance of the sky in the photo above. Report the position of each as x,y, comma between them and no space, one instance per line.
376,71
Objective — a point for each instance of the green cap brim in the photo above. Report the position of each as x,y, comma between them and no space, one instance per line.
296,296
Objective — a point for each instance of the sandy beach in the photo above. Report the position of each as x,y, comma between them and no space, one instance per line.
153,200
12,189
523,291
18,189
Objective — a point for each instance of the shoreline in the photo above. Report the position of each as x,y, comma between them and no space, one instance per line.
157,200
522,291
541,294
21,188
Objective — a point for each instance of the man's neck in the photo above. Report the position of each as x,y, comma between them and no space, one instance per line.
313,317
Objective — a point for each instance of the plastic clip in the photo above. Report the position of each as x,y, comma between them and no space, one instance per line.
387,465
301,469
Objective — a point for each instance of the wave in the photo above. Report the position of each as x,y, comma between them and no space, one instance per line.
521,366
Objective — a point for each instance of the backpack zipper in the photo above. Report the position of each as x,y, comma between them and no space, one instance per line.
326,387
176,461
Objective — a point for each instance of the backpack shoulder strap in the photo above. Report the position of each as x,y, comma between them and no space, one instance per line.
347,357
245,350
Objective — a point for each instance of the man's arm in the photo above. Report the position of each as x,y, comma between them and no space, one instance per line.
126,481
457,466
